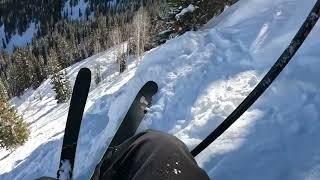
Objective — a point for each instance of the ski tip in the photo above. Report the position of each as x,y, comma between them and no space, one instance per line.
84,75
152,86
85,71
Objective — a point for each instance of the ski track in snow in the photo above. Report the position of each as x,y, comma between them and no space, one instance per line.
202,77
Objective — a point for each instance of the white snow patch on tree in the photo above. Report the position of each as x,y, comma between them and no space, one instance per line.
188,9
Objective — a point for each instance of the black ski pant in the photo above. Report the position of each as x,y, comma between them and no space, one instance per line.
150,155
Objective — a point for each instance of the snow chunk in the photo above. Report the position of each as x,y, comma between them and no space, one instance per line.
188,9
65,170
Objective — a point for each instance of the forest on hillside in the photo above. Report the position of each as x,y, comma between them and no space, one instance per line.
60,42
69,31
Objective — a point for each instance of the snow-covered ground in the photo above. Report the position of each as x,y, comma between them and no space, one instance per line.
202,77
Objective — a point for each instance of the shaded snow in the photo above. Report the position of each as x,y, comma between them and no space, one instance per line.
18,40
202,77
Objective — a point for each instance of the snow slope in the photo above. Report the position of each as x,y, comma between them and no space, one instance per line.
202,77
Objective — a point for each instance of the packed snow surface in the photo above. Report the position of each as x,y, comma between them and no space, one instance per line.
202,77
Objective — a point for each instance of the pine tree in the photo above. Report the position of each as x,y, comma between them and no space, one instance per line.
14,131
59,79
97,74
20,71
61,86
3,91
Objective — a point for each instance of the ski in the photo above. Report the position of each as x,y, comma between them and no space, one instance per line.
135,114
133,118
77,104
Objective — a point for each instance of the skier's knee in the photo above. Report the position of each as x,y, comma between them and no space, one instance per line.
157,139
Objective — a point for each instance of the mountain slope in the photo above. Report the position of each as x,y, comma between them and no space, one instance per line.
202,77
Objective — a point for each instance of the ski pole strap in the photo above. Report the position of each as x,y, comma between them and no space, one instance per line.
266,81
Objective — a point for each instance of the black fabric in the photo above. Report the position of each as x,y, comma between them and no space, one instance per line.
150,155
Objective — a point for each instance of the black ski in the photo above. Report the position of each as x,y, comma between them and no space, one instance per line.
135,114
77,104
133,118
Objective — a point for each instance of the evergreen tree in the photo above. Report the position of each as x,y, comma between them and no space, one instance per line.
3,91
97,74
39,71
21,72
59,79
13,130
61,86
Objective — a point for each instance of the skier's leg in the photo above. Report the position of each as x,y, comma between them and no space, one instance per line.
150,155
